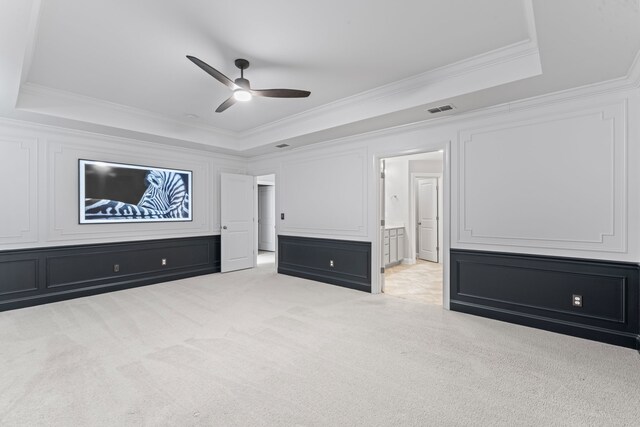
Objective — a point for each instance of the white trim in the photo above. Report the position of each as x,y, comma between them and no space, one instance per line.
502,65
32,31
492,58
275,184
630,81
83,134
377,243
38,90
633,75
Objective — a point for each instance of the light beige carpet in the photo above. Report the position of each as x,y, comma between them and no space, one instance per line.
419,282
252,348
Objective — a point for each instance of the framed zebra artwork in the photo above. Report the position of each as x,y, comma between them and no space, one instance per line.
117,192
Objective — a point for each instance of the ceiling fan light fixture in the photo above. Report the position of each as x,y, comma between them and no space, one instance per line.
242,95
241,87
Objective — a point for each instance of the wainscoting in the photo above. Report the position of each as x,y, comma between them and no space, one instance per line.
338,262
539,292
37,276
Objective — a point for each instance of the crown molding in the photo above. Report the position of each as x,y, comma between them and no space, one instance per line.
513,62
32,37
620,86
634,71
37,98
630,81
474,73
439,83
487,59
509,63
62,109
62,131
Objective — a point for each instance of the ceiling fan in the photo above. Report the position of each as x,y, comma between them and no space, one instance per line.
241,88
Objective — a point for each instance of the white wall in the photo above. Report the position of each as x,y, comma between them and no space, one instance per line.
425,166
322,195
397,192
39,166
555,175
552,182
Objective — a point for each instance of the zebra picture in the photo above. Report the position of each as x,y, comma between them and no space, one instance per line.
113,192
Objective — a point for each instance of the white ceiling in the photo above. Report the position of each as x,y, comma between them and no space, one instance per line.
119,67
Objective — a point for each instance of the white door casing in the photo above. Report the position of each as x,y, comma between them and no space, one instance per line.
382,222
266,218
427,234
237,220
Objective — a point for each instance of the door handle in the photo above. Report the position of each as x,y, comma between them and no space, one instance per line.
224,227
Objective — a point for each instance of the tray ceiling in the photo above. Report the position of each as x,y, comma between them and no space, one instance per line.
121,65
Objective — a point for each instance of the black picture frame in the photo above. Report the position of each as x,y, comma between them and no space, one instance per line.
116,193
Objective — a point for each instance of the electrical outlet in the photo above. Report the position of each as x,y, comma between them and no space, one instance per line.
164,261
116,268
577,300
330,263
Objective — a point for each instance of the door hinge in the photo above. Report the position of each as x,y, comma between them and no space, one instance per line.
382,270
382,222
382,175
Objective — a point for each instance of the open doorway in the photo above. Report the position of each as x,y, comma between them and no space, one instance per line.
266,220
412,206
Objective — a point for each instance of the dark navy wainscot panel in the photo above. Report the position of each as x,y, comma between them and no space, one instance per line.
37,276
338,262
586,298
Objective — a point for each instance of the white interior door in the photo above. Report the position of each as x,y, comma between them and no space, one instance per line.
266,218
427,219
236,219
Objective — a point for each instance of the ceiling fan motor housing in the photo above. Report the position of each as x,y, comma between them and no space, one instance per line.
242,82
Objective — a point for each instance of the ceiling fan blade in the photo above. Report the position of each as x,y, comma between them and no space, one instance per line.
226,104
213,72
281,93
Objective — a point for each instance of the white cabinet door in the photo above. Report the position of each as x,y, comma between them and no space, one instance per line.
400,244
387,253
393,247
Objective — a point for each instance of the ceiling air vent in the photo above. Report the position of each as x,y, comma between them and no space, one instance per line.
440,109
282,145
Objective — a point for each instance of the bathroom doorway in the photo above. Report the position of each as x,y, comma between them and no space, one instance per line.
412,235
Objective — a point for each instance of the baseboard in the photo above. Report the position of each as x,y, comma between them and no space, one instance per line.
43,275
624,339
